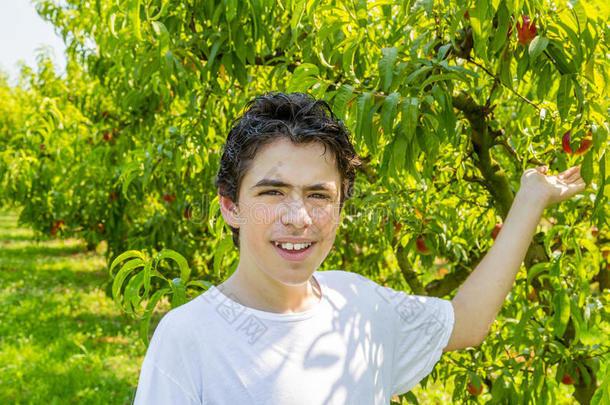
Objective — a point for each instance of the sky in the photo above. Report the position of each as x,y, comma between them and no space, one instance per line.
22,31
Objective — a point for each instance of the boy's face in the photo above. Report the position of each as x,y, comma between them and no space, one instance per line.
288,211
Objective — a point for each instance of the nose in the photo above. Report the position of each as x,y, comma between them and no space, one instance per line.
295,213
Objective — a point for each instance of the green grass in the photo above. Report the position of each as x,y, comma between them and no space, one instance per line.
62,340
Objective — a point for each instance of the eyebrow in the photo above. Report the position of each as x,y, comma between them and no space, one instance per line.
282,184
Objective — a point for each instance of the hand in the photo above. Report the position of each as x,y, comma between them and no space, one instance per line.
552,189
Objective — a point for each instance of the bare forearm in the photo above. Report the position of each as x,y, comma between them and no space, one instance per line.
480,298
483,293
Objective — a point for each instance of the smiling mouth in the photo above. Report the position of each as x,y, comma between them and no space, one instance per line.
293,246
293,251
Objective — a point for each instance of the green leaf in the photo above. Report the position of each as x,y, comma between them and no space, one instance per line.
411,157
388,113
481,27
416,73
303,77
230,9
443,77
364,124
256,15
178,292
599,197
298,9
557,55
586,169
561,316
575,40
399,149
148,312
501,34
131,297
505,72
162,36
133,12
446,114
119,279
580,325
522,65
602,394
185,271
204,285
130,254
524,320
564,97
161,12
459,16
409,113
227,62
386,66
461,69
347,59
385,159
535,270
240,70
341,99
222,248
537,45
580,14
214,51
112,24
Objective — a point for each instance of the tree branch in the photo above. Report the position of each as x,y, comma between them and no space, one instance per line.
496,180
407,271
444,286
483,68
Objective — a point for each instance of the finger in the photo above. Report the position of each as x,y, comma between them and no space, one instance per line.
572,170
568,173
574,176
578,186
574,189
542,169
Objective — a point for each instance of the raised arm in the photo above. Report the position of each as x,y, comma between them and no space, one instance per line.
480,298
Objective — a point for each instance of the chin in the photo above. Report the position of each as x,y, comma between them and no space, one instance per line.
294,277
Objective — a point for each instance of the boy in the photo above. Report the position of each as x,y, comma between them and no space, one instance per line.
280,332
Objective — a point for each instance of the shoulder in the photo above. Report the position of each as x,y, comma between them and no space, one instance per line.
190,316
334,276
354,285
348,284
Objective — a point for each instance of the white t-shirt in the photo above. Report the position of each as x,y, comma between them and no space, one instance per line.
361,344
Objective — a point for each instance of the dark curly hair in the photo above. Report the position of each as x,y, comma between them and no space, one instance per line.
295,116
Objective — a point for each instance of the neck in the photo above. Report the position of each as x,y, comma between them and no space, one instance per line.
266,294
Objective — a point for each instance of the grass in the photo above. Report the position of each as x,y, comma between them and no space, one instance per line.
62,340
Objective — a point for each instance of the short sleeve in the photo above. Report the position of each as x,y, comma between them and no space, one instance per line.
166,376
423,326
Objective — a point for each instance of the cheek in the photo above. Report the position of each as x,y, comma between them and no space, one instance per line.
326,217
260,214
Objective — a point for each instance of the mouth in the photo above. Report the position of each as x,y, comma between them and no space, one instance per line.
293,251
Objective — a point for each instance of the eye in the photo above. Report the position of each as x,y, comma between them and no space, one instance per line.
271,192
320,196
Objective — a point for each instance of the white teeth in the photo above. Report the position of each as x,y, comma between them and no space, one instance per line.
293,246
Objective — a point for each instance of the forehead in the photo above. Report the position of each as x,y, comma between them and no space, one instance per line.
297,164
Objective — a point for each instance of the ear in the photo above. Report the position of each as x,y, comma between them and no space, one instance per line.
229,211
